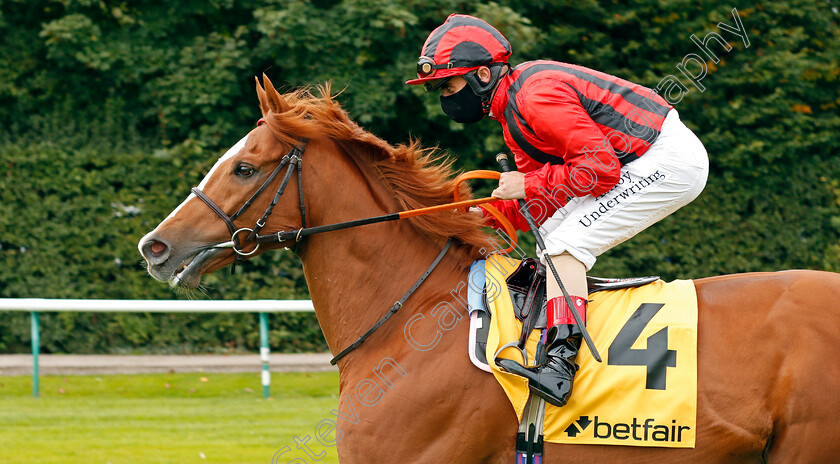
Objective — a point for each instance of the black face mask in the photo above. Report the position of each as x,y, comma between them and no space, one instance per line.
463,106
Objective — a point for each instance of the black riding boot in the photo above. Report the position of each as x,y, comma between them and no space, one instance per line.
553,379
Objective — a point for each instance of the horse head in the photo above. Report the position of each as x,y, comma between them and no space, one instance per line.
327,169
186,244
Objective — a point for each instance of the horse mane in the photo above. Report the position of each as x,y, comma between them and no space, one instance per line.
417,177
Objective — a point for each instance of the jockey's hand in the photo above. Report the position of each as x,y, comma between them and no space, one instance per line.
511,186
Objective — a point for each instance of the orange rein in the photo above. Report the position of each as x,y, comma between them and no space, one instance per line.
485,174
463,205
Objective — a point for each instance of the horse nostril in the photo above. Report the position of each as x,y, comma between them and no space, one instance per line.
157,248
155,251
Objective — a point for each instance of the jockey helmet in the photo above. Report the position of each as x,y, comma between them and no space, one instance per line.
461,44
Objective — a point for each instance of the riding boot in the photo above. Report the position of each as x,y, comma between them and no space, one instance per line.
553,379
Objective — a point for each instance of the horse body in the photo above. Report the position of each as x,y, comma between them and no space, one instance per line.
767,392
768,371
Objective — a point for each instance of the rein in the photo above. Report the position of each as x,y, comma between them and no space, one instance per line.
292,159
298,234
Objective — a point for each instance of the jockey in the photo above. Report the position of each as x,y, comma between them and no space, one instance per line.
599,160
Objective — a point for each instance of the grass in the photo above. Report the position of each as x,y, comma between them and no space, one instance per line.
165,418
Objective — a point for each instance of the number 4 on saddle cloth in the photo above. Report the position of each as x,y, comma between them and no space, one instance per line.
645,391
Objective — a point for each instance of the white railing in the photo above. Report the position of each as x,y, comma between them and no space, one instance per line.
155,306
263,307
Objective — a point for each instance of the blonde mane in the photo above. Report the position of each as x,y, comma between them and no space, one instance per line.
417,177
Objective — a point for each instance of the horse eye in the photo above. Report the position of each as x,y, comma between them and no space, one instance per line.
243,170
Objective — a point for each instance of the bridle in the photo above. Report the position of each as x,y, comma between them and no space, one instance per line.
292,159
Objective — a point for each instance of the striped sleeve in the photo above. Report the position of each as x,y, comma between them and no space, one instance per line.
557,117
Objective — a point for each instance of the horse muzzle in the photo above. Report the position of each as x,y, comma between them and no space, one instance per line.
180,266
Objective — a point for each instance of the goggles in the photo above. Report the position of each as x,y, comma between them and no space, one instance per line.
426,67
434,85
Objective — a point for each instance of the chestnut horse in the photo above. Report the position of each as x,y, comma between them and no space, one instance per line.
768,369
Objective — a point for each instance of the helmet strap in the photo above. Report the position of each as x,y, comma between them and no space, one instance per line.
485,89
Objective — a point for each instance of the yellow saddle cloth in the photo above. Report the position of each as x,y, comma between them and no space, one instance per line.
644,393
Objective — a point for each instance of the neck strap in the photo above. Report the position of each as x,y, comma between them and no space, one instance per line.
395,307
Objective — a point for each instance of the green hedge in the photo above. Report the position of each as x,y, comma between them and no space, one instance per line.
71,223
110,112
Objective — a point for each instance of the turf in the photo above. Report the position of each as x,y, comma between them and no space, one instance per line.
166,418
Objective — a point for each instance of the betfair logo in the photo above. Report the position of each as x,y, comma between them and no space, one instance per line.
645,430
572,430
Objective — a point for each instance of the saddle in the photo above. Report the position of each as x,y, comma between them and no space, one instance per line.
508,290
526,286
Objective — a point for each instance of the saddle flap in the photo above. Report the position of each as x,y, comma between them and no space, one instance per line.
527,287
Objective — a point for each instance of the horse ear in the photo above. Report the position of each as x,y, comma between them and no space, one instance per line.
278,104
262,96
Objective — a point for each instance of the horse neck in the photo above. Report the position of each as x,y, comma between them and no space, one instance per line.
355,275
